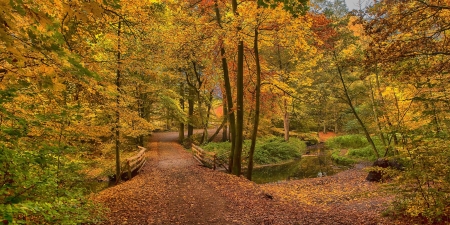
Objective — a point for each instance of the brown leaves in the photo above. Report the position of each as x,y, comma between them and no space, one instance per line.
174,190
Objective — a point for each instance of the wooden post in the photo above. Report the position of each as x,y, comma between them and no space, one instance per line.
129,170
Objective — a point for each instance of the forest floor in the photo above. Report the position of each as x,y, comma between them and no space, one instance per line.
173,189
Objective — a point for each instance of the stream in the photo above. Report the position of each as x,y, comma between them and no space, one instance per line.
317,163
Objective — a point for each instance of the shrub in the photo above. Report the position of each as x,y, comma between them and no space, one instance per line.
222,149
423,188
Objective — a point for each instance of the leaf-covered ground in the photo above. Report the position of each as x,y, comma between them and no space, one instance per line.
173,189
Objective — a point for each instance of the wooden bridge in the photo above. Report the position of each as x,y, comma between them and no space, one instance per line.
133,164
208,159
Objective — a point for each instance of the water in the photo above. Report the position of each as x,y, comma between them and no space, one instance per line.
306,167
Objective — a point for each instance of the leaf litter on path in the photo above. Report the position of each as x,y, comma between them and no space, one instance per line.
173,189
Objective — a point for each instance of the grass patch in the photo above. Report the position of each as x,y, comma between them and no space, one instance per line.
364,153
358,147
341,160
347,141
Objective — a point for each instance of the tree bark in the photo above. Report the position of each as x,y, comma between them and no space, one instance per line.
225,118
118,105
226,79
257,106
239,111
218,130
181,129
239,102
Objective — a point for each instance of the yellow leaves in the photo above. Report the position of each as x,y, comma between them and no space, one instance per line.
349,50
357,29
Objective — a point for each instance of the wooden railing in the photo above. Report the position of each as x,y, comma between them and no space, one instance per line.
208,159
133,164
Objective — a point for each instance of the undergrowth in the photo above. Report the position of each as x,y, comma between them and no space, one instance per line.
358,148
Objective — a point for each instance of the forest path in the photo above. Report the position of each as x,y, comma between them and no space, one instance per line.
167,191
173,189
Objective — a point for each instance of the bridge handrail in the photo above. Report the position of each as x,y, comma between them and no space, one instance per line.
134,163
206,158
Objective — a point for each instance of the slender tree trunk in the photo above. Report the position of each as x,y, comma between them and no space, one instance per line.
286,120
190,112
226,79
375,113
240,110
225,118
218,130
349,102
239,101
200,110
140,102
206,124
181,131
118,105
257,106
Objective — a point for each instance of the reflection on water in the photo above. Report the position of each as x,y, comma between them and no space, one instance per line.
307,167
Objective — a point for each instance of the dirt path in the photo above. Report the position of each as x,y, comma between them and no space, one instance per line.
168,190
173,189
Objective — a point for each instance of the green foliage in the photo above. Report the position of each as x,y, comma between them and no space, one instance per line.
357,145
341,160
268,150
365,152
39,181
275,150
347,141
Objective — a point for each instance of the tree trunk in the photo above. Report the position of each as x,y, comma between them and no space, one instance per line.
140,102
225,127
206,124
231,115
240,110
118,105
286,120
190,112
349,102
181,128
238,139
226,79
218,130
257,106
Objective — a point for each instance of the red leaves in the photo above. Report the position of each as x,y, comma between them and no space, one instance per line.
323,30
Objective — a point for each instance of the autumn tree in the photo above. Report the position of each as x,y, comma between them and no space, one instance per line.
409,49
